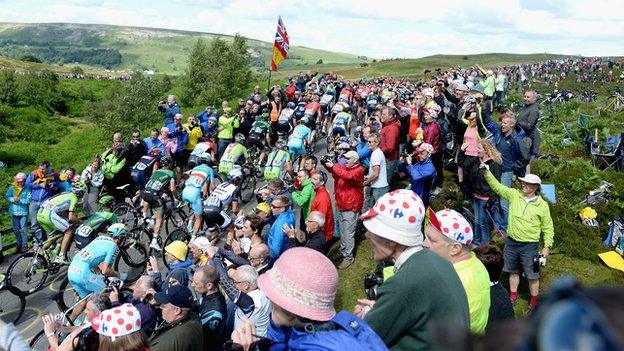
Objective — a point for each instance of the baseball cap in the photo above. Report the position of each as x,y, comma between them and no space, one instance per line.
263,207
452,225
352,154
177,295
531,179
397,216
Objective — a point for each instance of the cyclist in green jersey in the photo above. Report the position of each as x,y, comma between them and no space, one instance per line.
50,216
259,136
235,155
278,162
162,182
96,223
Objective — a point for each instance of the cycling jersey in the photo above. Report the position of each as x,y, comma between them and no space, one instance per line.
201,151
326,99
142,170
296,141
234,154
192,193
342,120
227,192
80,273
312,109
92,226
300,110
286,115
260,127
160,181
49,216
276,165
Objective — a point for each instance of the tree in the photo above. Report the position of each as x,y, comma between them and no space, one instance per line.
8,88
77,70
219,71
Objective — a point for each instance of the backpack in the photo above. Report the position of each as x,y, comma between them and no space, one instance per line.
614,235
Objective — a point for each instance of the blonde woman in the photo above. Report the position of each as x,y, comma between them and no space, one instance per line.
484,199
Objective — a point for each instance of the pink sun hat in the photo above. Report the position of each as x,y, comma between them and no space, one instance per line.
303,282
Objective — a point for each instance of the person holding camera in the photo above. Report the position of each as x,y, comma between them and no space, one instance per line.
195,134
180,135
169,108
225,130
142,299
421,171
529,221
348,186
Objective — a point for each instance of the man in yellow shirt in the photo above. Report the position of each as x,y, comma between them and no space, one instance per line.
225,130
195,134
450,236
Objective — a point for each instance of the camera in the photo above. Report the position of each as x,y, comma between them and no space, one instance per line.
371,282
329,158
538,261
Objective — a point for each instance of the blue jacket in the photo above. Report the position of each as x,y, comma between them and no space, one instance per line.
37,193
19,208
419,173
277,239
171,112
364,152
180,271
348,330
181,136
514,151
150,143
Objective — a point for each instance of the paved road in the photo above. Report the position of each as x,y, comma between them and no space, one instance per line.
41,303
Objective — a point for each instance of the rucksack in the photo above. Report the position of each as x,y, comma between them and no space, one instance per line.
614,235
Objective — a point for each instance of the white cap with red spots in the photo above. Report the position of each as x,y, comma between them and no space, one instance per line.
117,321
397,216
453,225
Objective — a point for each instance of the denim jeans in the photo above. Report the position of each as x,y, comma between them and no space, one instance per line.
506,178
482,223
33,208
20,229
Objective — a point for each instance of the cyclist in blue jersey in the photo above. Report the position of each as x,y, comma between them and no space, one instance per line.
300,138
90,265
197,186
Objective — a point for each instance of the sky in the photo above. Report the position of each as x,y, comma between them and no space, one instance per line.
377,29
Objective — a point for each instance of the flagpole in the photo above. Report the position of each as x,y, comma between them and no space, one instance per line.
269,83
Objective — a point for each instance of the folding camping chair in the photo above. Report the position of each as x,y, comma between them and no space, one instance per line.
608,153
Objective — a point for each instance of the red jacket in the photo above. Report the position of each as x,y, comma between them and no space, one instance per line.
349,187
431,135
390,139
322,203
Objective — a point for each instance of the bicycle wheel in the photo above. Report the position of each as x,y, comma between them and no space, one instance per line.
67,295
247,188
132,259
39,342
28,272
12,304
126,214
178,234
176,219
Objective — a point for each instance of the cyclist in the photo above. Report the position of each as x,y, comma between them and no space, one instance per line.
278,162
90,265
300,138
371,101
203,149
144,168
313,112
96,223
341,124
215,217
229,191
234,155
196,187
284,123
259,135
161,183
300,110
51,216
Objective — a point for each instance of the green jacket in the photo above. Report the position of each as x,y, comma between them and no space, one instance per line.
526,221
415,300
111,164
488,86
304,197
228,124
179,336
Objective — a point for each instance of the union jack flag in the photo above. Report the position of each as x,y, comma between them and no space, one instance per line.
280,46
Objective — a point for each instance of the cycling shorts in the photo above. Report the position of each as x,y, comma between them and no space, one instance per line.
296,151
84,281
139,178
256,140
338,130
193,196
153,200
50,220
214,217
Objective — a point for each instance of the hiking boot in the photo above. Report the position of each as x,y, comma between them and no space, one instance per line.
345,263
154,245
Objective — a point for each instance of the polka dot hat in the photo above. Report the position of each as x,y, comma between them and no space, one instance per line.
453,225
397,216
117,321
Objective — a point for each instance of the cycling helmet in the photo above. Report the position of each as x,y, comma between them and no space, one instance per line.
344,146
204,158
239,138
280,144
590,222
79,188
304,120
166,161
107,200
117,230
291,105
213,201
234,175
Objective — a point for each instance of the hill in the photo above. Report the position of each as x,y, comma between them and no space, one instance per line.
119,47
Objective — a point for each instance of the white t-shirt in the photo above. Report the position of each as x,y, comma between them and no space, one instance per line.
261,315
378,158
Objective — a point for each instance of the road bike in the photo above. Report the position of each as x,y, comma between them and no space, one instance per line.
12,302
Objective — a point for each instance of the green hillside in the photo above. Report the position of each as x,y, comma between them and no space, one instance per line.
117,47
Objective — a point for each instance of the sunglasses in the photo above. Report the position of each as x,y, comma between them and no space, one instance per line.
274,206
